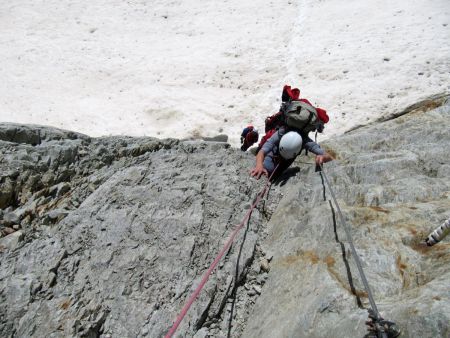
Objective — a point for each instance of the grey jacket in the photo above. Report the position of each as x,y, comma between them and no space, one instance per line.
270,149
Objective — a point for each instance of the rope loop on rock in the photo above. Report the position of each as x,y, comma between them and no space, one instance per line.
219,256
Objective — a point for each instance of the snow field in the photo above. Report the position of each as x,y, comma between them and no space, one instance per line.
200,68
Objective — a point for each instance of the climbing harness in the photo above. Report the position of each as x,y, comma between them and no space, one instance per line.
438,234
377,326
218,258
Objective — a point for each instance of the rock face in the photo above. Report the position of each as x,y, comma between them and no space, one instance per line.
108,237
116,232
392,183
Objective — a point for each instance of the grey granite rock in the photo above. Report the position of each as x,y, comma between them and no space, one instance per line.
389,183
35,134
10,218
11,241
119,231
116,233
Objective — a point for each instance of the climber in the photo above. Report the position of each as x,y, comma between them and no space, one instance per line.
281,149
438,234
287,134
249,137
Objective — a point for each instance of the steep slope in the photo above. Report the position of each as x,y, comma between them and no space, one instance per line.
108,237
113,233
392,183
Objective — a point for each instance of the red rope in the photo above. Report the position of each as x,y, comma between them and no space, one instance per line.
216,261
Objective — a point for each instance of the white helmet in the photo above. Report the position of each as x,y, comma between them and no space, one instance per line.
290,145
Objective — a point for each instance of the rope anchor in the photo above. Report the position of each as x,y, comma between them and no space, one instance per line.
380,328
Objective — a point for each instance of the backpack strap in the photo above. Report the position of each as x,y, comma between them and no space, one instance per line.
311,115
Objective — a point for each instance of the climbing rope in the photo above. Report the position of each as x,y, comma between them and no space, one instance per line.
350,240
218,258
376,324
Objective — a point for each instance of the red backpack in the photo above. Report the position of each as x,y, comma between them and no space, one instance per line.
296,114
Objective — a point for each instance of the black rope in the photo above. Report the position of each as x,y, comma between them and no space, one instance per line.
237,281
354,253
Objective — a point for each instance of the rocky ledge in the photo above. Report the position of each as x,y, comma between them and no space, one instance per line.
108,237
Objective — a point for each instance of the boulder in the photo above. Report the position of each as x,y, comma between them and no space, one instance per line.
11,241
